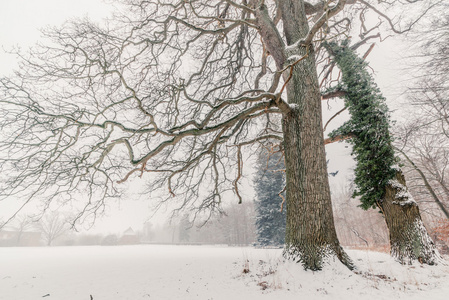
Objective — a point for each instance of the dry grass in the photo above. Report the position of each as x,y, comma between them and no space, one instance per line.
376,248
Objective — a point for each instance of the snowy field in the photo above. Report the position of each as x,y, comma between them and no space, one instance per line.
205,272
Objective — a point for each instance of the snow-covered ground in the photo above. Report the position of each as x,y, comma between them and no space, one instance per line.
206,272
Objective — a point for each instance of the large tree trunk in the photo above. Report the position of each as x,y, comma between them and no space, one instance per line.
409,239
375,156
310,231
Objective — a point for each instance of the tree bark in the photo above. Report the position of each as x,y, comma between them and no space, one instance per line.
409,239
310,230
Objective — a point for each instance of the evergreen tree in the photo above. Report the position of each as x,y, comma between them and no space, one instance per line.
269,182
369,126
379,182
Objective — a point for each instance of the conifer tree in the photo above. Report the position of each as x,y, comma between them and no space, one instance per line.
270,217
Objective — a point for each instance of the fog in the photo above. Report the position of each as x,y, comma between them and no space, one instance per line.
21,22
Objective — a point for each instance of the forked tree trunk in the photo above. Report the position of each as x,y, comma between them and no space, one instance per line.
409,239
310,232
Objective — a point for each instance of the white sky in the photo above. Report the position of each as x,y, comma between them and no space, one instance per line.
20,21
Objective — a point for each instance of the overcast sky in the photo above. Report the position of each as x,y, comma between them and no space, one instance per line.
20,24
20,21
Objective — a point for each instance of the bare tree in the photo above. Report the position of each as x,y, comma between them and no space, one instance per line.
424,139
177,92
21,224
425,154
53,226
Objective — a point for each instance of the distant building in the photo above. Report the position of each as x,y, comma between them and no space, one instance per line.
129,237
11,238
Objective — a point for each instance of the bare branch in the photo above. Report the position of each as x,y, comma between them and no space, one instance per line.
329,13
337,138
426,183
334,116
390,22
333,94
272,39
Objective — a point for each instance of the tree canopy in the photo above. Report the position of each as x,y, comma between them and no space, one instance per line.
179,93
168,88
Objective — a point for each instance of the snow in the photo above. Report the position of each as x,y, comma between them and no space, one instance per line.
294,58
396,184
293,47
402,193
206,272
396,167
294,106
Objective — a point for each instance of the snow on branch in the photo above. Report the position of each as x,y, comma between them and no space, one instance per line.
402,194
329,13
